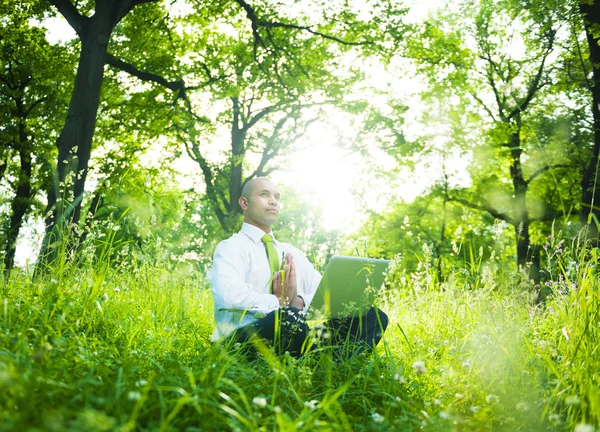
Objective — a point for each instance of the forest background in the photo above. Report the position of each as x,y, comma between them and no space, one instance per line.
459,139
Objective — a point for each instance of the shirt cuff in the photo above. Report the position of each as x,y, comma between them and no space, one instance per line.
273,303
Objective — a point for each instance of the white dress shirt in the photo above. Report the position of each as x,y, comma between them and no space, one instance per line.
240,275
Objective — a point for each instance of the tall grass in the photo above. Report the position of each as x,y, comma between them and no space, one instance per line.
95,349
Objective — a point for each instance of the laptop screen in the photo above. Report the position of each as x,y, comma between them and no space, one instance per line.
348,287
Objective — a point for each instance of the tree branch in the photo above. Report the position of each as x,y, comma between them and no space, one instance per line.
257,117
256,23
193,150
270,151
127,6
268,24
251,14
485,208
492,83
175,86
34,104
478,100
73,17
535,84
546,168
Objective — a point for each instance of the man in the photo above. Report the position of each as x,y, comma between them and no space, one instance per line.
262,287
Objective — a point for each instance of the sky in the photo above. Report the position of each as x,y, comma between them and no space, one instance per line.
331,179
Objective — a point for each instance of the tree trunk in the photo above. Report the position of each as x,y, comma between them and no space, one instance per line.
238,151
525,253
590,204
20,203
75,141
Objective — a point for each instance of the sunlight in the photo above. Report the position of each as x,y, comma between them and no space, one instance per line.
334,177
326,174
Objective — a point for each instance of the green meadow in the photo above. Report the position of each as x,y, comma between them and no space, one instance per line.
88,348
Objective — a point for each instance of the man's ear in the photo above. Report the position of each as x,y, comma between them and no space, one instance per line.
243,202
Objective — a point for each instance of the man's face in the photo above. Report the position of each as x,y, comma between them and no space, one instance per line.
261,207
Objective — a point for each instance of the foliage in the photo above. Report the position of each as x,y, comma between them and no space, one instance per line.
429,232
493,73
138,213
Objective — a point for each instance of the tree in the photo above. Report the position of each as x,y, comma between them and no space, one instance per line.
590,210
31,76
75,140
468,58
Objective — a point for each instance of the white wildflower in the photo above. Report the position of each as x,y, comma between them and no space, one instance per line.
492,398
312,404
259,402
582,427
134,395
419,367
377,418
399,378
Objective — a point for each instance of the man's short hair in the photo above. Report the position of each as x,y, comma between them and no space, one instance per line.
248,185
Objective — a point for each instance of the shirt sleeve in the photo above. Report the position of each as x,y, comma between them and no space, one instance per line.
308,278
228,285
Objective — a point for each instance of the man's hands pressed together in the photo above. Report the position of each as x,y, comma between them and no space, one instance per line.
285,284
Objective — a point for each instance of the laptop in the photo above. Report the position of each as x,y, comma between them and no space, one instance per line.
348,287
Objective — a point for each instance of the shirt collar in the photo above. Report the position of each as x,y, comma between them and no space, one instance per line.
255,233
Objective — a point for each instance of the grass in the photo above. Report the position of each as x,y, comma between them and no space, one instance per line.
99,350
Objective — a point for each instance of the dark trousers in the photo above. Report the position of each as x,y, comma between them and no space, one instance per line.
285,329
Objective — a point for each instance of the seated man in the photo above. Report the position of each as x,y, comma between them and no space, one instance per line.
256,295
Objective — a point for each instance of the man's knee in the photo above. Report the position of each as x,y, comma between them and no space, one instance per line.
378,318
382,319
293,321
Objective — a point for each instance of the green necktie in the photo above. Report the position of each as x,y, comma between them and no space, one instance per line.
271,253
